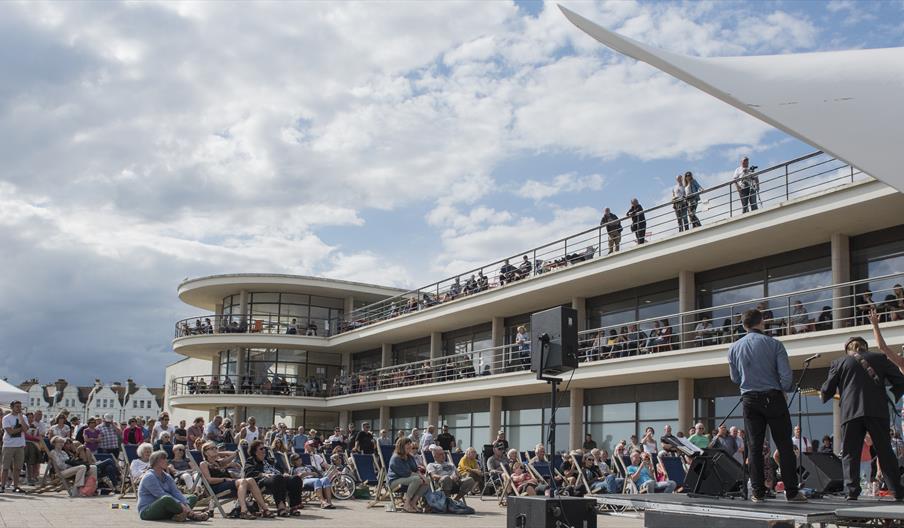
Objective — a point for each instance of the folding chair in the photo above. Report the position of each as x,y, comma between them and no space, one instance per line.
53,479
128,454
428,457
194,459
369,474
508,485
630,487
169,451
385,454
306,459
581,479
491,480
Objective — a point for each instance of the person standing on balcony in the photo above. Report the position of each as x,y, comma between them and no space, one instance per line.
747,184
679,203
613,228
638,221
759,365
692,191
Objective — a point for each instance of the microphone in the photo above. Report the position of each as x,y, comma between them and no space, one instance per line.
811,358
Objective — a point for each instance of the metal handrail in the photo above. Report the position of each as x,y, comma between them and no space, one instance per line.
513,358
590,241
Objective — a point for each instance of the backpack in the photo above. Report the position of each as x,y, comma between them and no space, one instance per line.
458,507
436,501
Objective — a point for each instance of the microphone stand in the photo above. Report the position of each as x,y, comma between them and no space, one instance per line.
799,396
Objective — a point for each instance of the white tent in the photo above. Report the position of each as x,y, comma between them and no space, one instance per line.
10,393
846,103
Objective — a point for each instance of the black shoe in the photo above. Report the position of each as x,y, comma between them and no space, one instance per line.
850,498
797,497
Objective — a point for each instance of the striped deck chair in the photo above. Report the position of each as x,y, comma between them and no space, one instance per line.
127,455
214,499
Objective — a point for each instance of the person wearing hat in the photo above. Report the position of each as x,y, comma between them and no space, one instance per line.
759,364
860,377
110,436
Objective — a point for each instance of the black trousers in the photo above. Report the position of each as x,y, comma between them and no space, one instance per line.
279,486
640,231
852,434
762,409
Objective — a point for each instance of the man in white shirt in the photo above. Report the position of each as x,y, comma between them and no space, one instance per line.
162,426
747,184
801,442
12,456
427,438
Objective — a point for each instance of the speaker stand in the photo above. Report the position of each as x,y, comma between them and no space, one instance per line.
554,384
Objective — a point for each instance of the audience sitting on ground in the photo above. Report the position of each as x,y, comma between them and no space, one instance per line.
159,499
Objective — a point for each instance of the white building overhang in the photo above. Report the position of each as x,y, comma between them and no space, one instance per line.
846,103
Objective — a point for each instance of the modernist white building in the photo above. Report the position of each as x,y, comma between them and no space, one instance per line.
824,234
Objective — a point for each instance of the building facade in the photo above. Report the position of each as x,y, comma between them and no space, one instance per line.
122,401
656,320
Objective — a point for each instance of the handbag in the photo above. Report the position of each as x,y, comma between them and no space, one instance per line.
89,488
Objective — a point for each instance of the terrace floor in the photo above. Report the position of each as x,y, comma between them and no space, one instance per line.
59,511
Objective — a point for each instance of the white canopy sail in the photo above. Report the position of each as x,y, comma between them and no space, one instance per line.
847,103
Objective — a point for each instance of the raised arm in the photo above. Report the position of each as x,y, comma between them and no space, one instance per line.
880,341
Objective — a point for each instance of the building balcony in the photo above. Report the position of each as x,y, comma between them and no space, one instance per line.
830,207
686,345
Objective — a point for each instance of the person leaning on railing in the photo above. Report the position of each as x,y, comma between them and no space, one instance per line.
638,221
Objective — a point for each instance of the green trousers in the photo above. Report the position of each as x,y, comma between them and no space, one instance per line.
164,508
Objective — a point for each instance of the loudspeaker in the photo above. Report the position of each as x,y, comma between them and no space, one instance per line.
715,473
822,472
551,512
561,353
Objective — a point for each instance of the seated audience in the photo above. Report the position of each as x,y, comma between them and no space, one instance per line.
647,478
403,471
313,479
214,471
469,467
68,466
158,497
138,466
523,481
446,476
271,479
179,467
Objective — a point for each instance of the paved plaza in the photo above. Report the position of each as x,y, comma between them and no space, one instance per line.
59,511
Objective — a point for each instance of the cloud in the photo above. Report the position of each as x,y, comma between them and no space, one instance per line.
562,183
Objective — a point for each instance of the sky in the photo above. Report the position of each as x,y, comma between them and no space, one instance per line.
143,143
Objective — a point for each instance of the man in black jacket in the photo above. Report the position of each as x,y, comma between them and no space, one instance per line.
613,228
638,220
860,377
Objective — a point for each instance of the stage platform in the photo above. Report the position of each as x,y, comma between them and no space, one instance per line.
714,512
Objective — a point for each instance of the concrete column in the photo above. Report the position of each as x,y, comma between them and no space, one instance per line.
836,426
215,365
580,304
841,272
384,417
436,345
495,417
349,305
244,297
240,368
686,302
576,426
343,418
499,356
387,355
347,361
433,413
218,309
685,403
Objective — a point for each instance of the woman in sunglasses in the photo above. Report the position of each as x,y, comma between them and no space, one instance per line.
213,470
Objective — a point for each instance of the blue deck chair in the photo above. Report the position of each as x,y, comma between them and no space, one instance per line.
128,454
456,457
428,457
674,469
169,450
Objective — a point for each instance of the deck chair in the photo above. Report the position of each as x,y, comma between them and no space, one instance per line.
581,479
674,469
492,481
169,451
630,486
383,490
428,457
53,480
216,499
127,455
455,457
508,486
229,447
524,457
369,474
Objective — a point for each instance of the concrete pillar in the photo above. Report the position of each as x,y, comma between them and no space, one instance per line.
349,305
436,345
576,426
685,403
687,302
580,304
841,272
384,417
836,426
240,368
387,355
215,364
343,418
495,418
499,356
244,298
347,361
433,413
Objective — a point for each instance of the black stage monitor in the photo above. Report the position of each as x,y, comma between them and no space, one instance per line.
557,329
549,512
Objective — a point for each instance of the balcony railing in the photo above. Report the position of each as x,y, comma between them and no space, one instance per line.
800,177
805,176
802,312
266,323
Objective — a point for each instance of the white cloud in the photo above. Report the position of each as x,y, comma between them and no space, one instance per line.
562,183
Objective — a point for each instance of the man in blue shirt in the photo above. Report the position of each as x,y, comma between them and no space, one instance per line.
641,472
759,364
158,497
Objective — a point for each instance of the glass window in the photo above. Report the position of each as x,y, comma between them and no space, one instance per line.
658,410
616,412
481,419
525,436
264,298
294,298
607,435
524,416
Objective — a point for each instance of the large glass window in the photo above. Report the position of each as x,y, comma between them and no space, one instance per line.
877,255
411,351
228,363
526,426
289,312
370,360
293,366
654,301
